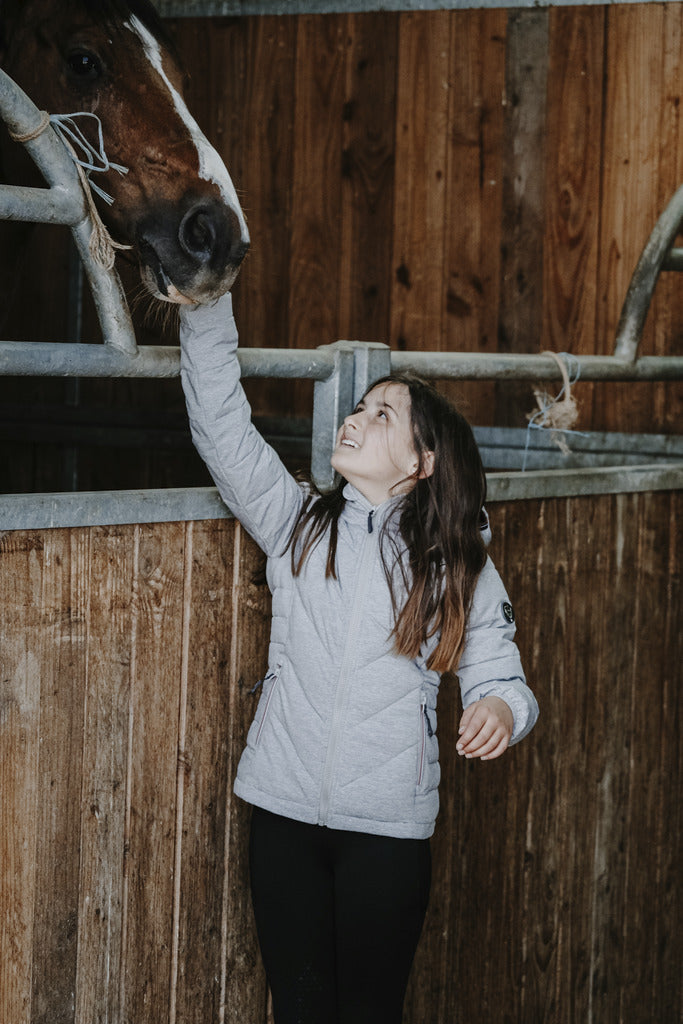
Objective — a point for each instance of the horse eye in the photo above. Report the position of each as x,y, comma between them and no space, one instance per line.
84,65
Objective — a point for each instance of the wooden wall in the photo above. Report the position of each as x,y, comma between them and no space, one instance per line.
478,180
470,179
127,655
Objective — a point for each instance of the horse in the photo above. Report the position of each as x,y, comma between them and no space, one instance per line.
175,205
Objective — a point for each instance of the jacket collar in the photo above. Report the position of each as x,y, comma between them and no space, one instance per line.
358,505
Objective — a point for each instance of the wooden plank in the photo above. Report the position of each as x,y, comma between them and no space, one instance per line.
368,177
654,767
262,291
420,180
533,565
316,189
608,550
60,647
572,191
667,400
630,189
267,171
21,562
205,759
472,223
665,850
243,987
105,760
152,770
521,296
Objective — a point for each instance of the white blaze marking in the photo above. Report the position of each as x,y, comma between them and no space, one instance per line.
211,167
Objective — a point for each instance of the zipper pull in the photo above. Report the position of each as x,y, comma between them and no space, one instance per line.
259,683
370,515
430,731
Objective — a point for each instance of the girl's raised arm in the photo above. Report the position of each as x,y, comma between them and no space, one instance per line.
248,473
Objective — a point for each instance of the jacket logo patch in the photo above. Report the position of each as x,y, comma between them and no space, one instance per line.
508,612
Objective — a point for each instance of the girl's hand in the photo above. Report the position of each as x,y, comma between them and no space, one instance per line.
485,729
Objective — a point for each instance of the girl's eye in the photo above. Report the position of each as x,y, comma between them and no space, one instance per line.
382,414
85,66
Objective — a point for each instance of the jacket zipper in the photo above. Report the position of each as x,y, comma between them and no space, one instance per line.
344,679
425,730
423,737
274,676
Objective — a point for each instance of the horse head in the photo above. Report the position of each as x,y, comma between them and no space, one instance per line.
176,205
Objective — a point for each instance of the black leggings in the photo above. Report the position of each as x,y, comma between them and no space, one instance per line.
338,916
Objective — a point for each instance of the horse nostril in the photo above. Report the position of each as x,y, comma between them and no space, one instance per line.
197,234
211,235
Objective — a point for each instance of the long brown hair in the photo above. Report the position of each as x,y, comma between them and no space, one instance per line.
437,551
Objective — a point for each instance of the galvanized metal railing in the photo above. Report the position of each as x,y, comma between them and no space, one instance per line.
341,371
63,202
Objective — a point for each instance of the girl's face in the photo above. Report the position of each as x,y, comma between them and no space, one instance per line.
374,450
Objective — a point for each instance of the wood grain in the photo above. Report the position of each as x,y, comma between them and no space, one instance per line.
420,180
21,561
152,768
368,169
128,659
103,788
520,315
316,187
573,202
474,197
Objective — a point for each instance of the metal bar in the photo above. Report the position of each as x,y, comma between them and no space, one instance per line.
332,401
58,359
673,260
232,8
496,366
639,295
509,448
57,167
603,441
371,360
110,508
569,483
40,205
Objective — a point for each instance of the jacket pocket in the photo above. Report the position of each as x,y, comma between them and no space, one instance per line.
269,684
424,734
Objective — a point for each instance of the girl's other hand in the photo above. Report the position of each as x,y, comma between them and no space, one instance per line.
485,729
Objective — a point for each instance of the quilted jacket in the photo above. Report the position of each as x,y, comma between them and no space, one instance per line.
345,732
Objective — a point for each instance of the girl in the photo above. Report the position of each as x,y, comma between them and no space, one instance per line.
378,587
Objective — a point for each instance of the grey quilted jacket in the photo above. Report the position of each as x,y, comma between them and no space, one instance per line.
345,729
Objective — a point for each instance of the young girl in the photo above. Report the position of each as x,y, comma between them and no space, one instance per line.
378,587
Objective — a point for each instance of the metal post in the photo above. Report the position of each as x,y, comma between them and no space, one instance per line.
333,399
371,360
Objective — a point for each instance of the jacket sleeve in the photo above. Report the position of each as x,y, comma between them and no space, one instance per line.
248,473
490,665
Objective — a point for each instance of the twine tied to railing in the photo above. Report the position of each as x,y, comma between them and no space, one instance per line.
559,413
92,159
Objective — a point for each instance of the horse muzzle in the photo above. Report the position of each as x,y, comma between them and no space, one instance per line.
192,253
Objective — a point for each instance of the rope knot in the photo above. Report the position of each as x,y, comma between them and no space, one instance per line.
93,158
556,413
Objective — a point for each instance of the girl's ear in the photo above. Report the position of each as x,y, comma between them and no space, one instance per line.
427,465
